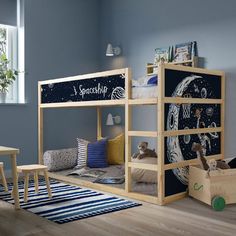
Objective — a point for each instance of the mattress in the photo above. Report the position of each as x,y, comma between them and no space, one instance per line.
116,171
144,92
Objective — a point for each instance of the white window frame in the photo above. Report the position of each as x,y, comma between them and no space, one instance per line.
21,51
16,55
12,56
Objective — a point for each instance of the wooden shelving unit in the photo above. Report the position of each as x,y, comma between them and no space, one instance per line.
193,63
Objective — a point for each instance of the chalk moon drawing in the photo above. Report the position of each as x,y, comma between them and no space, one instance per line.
174,153
118,93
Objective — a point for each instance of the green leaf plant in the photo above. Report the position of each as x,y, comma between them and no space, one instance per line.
7,75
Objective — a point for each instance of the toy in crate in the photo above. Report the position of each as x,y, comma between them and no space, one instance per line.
212,183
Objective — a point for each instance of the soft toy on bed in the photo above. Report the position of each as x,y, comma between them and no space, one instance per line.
144,151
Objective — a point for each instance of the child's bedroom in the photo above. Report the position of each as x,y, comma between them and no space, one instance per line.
117,117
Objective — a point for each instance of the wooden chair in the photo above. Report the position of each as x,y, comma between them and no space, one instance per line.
35,169
4,182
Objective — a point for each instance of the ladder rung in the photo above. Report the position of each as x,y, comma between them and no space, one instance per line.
143,133
143,166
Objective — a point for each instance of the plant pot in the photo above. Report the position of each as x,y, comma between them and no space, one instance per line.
3,96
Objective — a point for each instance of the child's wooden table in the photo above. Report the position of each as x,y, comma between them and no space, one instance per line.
12,152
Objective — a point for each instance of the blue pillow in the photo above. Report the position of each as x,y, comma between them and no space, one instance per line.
153,80
97,154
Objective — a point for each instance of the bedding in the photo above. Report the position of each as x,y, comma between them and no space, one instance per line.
144,87
144,176
116,171
145,80
144,92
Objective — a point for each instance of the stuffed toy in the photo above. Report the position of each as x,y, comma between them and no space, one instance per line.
212,166
197,147
219,164
144,151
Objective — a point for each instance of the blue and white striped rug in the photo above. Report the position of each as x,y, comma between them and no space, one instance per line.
68,203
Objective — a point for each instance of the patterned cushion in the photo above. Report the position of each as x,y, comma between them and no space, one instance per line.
60,159
97,154
82,153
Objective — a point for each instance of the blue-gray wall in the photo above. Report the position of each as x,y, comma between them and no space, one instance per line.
141,26
65,38
8,12
61,39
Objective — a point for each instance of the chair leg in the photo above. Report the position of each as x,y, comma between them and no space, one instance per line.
4,182
36,182
12,191
26,179
47,183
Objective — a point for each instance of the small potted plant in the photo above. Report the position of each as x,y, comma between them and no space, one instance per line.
7,76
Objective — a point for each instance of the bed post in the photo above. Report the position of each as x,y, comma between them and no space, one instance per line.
40,127
99,123
160,136
222,149
127,129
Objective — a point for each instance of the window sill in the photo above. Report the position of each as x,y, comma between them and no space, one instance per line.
12,104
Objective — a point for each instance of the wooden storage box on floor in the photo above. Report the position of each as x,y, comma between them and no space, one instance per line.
217,189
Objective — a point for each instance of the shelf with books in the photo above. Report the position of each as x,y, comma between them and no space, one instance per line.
193,63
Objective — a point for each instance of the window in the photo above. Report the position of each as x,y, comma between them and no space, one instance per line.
8,46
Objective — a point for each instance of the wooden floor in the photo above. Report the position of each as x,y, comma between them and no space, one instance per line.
184,217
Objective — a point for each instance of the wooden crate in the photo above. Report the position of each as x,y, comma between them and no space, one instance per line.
220,183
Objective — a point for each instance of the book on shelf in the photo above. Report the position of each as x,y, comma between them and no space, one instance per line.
184,51
162,55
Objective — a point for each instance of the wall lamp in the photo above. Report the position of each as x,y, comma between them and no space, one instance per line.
112,51
111,120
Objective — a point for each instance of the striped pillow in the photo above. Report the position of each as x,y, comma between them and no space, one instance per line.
82,153
97,154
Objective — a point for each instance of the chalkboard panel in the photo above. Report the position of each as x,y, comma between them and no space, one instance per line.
190,116
190,84
173,185
101,88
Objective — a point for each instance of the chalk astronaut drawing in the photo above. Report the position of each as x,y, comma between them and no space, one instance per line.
203,138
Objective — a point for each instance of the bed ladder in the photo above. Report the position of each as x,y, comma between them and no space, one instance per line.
159,199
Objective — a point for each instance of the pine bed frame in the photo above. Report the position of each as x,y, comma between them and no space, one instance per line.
160,134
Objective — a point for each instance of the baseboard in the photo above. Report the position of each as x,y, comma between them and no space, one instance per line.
8,173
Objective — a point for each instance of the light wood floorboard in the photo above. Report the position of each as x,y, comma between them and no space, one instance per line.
184,217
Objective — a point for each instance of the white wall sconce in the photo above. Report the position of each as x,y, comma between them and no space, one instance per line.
112,51
111,120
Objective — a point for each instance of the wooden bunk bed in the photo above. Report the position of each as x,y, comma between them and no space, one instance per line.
180,89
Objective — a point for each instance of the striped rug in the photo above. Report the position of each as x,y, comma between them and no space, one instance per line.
68,203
